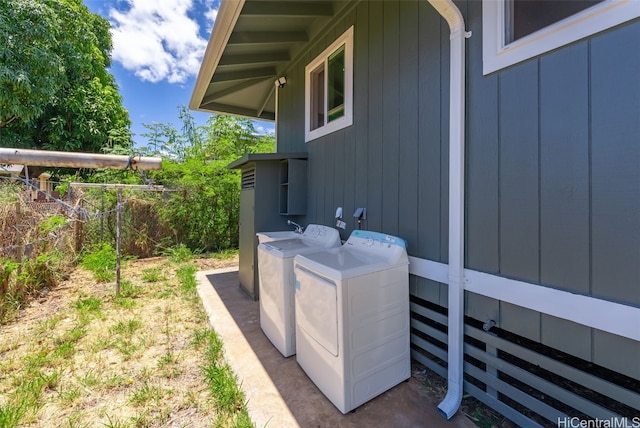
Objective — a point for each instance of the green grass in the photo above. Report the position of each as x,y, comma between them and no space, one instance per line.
88,305
89,379
126,347
186,275
127,328
147,393
88,309
179,253
48,324
64,350
153,275
69,395
102,262
129,290
229,399
224,254
26,398
11,415
108,333
117,423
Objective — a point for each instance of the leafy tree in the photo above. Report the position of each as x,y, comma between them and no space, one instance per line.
164,141
55,90
203,212
229,137
31,71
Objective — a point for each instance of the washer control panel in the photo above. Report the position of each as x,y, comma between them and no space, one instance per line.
321,235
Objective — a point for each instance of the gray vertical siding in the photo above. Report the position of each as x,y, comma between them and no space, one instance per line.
408,62
361,111
615,128
564,169
519,172
391,112
431,141
554,176
375,118
482,249
552,184
360,166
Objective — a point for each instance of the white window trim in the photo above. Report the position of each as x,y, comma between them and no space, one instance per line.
497,54
345,39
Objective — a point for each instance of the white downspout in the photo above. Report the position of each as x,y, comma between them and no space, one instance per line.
450,12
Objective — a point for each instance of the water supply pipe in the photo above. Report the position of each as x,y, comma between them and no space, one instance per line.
455,371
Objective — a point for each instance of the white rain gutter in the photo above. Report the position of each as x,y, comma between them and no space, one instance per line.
450,12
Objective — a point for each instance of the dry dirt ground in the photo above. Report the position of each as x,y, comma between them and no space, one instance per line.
78,356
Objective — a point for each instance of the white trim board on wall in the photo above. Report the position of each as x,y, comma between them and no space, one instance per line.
498,54
615,318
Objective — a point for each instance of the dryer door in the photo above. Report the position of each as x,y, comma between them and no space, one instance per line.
317,308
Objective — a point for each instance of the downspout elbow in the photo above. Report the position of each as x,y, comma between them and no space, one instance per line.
449,406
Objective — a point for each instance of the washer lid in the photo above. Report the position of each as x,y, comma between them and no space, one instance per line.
289,247
344,263
315,238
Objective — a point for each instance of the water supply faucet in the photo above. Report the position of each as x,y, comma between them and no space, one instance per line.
299,229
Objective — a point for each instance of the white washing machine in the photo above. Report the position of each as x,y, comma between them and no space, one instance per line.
352,317
275,272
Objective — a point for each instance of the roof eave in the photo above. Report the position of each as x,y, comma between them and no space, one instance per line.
225,22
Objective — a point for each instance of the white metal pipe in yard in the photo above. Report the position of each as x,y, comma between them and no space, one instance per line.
150,187
77,160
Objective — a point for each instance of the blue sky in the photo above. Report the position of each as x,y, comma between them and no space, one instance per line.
157,49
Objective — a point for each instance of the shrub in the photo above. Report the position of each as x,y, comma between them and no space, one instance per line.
178,254
45,271
102,262
51,224
7,267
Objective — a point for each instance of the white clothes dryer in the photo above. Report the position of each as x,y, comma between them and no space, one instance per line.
352,317
275,272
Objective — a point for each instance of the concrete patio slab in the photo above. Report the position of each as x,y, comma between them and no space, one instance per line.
279,393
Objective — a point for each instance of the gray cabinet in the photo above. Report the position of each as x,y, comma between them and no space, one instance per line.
272,185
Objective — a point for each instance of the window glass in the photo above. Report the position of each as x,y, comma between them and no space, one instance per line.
529,16
335,85
517,30
317,97
329,89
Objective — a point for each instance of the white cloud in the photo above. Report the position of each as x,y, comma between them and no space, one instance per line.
264,128
158,40
211,16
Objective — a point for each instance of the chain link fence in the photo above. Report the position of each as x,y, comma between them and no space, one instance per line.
143,231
